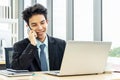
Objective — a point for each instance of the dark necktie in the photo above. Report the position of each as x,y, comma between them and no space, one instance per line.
43,58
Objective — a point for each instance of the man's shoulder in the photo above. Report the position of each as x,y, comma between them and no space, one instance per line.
24,41
54,38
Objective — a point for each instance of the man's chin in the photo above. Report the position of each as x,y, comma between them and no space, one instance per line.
40,37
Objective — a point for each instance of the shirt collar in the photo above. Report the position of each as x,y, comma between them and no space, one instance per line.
45,42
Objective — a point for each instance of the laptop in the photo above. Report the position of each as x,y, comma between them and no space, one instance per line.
83,57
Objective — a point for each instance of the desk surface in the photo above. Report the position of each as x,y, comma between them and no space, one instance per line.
41,76
2,62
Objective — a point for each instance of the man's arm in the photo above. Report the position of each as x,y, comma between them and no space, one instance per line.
22,57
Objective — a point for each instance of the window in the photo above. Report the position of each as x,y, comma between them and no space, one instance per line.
5,34
83,20
8,22
43,2
111,25
59,19
8,25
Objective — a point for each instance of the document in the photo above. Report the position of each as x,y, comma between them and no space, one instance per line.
12,72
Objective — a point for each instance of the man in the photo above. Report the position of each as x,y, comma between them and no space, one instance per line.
27,52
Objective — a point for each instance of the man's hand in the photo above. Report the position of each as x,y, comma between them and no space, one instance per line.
32,37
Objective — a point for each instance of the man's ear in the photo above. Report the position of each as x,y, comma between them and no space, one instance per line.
47,21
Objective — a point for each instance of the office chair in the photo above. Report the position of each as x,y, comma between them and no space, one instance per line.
8,56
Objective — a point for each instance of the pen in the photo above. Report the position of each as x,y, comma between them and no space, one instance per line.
10,73
116,71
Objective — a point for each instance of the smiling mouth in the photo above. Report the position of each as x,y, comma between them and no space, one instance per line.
41,32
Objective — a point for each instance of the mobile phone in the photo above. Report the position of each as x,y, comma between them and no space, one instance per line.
28,29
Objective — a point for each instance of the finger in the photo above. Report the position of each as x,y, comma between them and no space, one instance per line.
35,34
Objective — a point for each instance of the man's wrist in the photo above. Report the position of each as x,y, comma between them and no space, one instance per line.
34,44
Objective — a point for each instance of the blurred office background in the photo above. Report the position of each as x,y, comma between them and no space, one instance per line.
81,20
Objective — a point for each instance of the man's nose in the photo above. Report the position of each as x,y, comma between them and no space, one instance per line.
39,27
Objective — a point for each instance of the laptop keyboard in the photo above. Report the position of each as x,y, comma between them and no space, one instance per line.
57,72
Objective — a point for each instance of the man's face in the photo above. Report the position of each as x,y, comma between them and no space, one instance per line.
38,23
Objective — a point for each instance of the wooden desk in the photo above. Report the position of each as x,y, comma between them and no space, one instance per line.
41,76
2,62
2,65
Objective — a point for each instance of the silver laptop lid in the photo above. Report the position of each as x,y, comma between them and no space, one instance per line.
84,57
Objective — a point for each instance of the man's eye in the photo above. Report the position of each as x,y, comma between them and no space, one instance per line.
42,23
33,25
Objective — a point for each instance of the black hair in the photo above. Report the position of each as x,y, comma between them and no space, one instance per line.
34,10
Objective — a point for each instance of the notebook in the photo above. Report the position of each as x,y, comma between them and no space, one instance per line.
12,72
83,57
